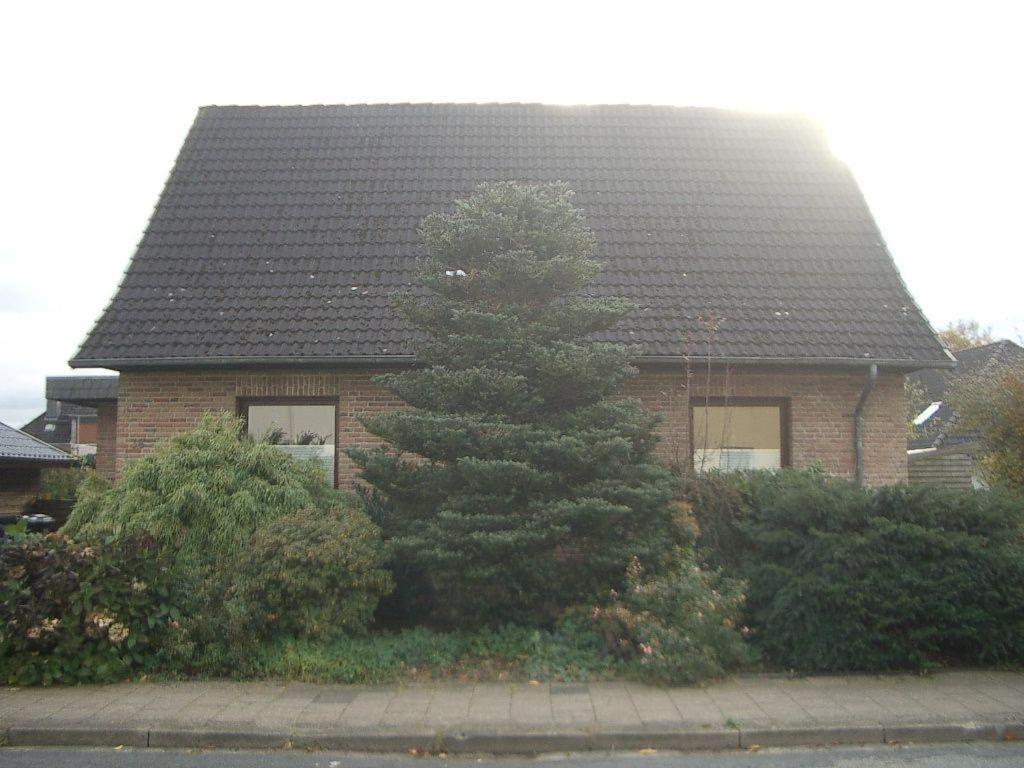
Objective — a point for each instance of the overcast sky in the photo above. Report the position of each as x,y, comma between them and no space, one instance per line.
921,100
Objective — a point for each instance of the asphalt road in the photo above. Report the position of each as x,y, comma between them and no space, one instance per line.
941,756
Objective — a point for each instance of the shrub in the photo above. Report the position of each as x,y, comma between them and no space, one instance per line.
680,626
203,491
258,543
72,613
845,578
62,482
311,575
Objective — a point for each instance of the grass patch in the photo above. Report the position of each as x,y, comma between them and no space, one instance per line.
509,653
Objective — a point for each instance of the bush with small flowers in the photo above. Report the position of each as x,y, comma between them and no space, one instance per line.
679,626
73,613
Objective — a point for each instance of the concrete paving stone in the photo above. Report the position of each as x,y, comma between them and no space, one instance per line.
333,696
278,716
654,706
193,717
319,714
616,714
736,705
490,703
695,706
529,711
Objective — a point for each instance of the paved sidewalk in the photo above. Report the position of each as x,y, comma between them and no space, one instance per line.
522,718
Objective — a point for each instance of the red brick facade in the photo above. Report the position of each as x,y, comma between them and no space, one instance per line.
106,439
154,405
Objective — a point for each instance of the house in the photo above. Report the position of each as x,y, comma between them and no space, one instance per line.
767,303
71,420
940,451
22,460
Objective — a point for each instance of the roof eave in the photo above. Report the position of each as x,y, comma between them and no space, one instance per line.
226,362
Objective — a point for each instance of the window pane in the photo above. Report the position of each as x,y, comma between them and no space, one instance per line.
737,437
303,431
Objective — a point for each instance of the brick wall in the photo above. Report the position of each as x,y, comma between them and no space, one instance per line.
154,405
821,404
106,439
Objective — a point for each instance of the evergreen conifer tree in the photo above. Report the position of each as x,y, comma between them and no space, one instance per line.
533,485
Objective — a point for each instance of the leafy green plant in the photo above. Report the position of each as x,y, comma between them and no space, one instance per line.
311,574
847,578
504,653
62,482
73,613
680,626
257,542
539,485
206,490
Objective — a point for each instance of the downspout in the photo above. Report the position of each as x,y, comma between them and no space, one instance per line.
858,447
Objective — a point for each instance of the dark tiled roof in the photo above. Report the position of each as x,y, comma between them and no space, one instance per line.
940,428
59,417
81,389
283,232
16,446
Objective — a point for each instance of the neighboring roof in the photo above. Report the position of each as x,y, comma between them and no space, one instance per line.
81,389
934,386
60,419
18,447
283,233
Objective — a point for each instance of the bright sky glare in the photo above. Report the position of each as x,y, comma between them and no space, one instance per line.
921,99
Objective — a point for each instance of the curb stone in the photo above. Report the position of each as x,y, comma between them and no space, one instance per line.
510,742
25,736
369,741
199,739
932,732
808,737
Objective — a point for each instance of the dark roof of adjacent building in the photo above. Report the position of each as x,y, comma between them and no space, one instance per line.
934,385
54,425
86,390
283,233
21,448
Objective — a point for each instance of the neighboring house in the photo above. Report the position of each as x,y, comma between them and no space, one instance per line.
67,427
22,460
940,452
71,420
767,303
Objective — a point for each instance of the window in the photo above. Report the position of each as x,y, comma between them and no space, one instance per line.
739,433
302,428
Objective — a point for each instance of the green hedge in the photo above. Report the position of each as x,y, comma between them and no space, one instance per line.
845,578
